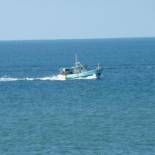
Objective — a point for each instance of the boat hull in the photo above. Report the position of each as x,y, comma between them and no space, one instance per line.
95,74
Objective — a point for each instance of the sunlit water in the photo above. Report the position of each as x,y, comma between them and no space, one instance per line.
40,114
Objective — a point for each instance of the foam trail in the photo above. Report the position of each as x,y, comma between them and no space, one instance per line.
46,78
50,78
8,79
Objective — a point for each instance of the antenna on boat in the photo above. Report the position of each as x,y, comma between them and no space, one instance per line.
76,59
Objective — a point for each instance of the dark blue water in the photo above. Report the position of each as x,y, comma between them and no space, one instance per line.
111,116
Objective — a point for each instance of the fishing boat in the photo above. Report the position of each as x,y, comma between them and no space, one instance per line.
79,71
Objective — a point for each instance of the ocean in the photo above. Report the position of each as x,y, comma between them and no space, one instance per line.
41,115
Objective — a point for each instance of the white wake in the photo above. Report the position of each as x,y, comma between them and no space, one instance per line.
50,78
46,78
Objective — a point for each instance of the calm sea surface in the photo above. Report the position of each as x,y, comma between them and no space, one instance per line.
43,116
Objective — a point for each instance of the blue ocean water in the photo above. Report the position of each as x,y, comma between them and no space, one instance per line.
112,116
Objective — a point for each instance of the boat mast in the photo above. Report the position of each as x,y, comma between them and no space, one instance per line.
76,60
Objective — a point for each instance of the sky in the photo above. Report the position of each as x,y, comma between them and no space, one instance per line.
76,19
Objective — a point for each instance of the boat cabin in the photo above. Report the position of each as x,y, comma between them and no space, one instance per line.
74,70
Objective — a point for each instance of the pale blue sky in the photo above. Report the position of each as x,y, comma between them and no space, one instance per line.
60,19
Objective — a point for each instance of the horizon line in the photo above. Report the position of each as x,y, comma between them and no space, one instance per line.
97,38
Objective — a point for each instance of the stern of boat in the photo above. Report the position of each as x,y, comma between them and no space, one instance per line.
98,71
